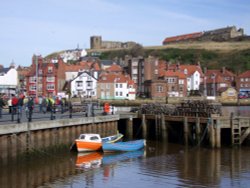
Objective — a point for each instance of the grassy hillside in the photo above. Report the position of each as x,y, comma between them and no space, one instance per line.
233,55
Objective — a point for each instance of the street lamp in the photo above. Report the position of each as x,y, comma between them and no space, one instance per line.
214,76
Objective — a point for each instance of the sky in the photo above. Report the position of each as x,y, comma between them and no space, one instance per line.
42,27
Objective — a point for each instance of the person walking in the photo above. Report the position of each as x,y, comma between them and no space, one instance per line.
30,105
40,101
44,104
10,105
2,104
14,102
20,105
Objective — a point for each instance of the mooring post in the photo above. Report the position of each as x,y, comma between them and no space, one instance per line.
157,125
144,126
198,130
164,129
217,133
130,128
232,128
211,133
185,129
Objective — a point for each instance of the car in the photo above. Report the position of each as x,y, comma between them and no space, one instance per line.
243,96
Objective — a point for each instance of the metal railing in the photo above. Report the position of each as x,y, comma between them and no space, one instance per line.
19,114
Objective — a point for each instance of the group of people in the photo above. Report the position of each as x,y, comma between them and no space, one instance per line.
16,103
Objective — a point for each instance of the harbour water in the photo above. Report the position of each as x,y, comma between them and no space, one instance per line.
160,164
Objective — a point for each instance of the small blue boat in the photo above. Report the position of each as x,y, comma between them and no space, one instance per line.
124,146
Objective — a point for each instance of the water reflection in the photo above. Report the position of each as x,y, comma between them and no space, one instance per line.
162,165
95,159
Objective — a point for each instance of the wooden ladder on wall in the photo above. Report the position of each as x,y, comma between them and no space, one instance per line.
236,131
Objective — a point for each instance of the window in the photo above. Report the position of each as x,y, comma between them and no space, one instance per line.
181,81
40,71
50,79
116,93
120,93
102,86
171,80
94,138
50,87
33,88
107,86
32,79
134,71
116,85
50,69
79,84
246,79
120,85
181,89
242,79
159,88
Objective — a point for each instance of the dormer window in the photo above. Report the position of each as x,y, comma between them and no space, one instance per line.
104,78
185,71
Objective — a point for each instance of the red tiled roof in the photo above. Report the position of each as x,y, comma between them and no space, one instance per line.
191,69
112,78
83,65
182,37
114,68
178,74
245,74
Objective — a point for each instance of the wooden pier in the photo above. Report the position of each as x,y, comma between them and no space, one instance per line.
213,131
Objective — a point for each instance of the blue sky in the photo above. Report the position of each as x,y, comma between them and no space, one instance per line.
44,26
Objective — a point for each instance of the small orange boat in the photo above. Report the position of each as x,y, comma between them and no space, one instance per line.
89,142
94,142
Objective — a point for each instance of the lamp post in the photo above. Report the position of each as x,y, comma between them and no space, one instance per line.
205,86
36,77
214,85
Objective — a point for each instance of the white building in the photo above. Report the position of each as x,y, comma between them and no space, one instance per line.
194,74
84,85
115,86
8,80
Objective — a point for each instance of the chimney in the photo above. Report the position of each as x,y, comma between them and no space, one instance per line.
223,70
205,70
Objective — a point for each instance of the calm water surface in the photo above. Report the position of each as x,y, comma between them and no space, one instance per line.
159,165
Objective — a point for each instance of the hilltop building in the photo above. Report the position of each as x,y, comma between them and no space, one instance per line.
218,35
97,43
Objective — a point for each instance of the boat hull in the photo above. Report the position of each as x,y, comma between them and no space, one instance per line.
83,146
124,146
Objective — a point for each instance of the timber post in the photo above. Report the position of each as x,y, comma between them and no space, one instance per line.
185,129
211,133
164,129
129,129
198,130
217,134
144,126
